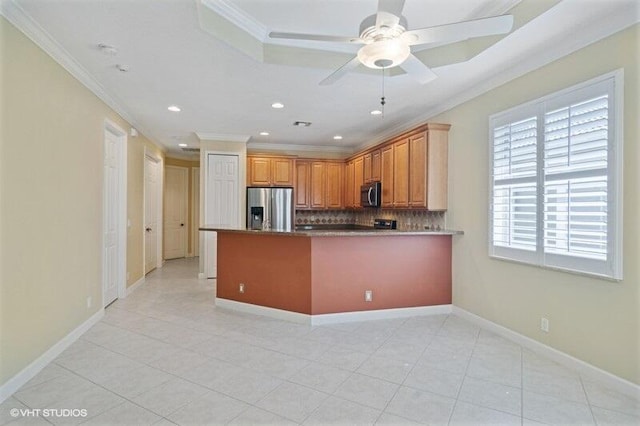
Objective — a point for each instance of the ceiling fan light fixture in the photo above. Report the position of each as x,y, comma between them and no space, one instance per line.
384,53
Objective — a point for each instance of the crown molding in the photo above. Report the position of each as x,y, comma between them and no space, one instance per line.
238,17
12,11
222,137
301,148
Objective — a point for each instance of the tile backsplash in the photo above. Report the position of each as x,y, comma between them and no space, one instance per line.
407,219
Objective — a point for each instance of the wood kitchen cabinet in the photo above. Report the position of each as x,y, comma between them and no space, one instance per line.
386,175
335,184
348,184
270,171
302,185
372,166
428,168
358,180
401,173
319,184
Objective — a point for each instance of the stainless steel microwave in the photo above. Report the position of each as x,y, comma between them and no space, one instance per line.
371,194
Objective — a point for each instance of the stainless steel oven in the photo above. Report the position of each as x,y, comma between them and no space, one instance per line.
371,194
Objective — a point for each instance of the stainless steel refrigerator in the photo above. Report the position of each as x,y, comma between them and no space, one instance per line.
270,208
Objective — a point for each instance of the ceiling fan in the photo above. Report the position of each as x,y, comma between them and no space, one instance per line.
387,42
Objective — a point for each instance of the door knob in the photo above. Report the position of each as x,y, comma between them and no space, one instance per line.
148,229
182,224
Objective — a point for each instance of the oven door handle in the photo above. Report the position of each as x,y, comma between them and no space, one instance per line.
369,196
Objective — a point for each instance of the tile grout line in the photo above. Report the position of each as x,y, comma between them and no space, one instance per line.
464,376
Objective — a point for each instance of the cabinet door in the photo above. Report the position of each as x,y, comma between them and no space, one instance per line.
386,175
418,171
437,169
375,166
348,184
401,173
302,185
335,185
318,178
358,179
367,168
282,171
259,171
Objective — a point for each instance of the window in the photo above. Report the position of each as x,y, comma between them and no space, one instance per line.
556,168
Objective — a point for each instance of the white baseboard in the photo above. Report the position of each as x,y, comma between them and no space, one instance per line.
30,371
135,286
380,314
585,369
263,310
324,319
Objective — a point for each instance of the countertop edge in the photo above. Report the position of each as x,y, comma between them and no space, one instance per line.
334,233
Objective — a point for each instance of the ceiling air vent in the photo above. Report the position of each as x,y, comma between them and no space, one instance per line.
302,123
191,149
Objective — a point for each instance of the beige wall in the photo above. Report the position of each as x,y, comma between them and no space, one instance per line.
591,319
51,151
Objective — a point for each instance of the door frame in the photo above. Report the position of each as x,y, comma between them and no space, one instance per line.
150,155
195,210
185,194
121,219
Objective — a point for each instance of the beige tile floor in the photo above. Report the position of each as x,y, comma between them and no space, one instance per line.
165,355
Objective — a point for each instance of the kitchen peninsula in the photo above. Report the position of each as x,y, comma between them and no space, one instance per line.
313,274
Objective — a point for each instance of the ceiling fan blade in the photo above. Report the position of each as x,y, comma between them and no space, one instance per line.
340,72
314,37
389,12
459,31
418,70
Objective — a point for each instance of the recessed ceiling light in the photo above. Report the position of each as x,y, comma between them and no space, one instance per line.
277,105
302,123
337,137
182,145
376,112
264,133
174,108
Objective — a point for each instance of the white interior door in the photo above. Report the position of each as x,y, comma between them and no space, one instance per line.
195,208
175,211
221,203
151,181
110,218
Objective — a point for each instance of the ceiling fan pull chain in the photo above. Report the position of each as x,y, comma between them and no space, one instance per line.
382,99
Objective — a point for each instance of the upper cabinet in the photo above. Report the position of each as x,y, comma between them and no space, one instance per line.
401,173
270,171
319,184
348,184
428,168
411,167
372,166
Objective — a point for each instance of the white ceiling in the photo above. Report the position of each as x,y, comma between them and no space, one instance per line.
175,57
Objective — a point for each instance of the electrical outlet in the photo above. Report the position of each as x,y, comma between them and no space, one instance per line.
241,288
89,302
544,324
368,296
